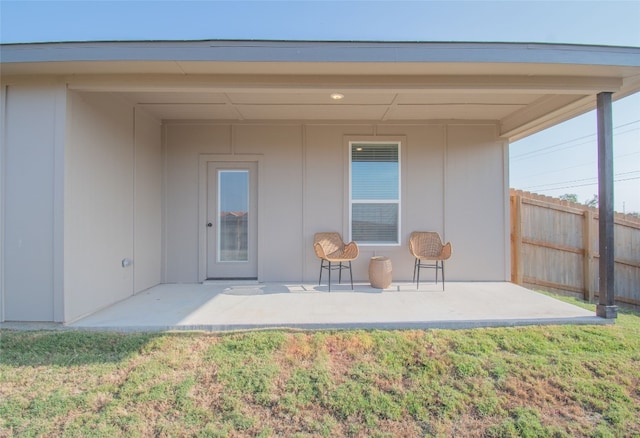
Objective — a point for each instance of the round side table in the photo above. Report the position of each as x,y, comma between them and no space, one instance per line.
380,272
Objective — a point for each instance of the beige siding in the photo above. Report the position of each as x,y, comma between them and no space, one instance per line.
183,145
280,253
325,192
423,189
99,204
476,203
148,202
450,174
112,203
33,144
126,196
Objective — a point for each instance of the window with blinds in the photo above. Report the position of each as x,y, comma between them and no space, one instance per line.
375,193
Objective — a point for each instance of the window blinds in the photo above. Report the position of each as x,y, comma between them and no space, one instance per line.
375,192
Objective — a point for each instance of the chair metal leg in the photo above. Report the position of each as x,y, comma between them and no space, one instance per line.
418,265
329,267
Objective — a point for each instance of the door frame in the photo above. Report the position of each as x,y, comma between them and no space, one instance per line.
204,160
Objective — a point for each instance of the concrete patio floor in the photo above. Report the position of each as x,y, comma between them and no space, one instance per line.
220,306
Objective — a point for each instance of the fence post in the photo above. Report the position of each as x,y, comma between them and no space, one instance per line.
587,239
516,239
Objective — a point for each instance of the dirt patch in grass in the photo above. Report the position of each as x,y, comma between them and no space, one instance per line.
534,381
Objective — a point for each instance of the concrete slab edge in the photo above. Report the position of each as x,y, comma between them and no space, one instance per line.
399,325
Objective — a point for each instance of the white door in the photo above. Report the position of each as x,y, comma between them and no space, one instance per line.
232,225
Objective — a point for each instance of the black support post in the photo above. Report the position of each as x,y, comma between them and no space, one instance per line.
606,307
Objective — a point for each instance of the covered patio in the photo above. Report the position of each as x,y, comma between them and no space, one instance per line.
222,306
143,146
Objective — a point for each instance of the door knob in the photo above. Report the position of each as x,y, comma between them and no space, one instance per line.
209,224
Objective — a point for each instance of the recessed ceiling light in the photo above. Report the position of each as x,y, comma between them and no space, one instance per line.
337,96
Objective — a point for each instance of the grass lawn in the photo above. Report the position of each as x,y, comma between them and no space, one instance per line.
502,382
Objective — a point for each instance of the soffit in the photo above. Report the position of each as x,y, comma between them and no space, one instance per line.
518,104
521,88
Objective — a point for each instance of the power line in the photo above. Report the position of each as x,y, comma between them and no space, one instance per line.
584,185
547,150
537,151
561,169
588,163
586,179
524,154
541,186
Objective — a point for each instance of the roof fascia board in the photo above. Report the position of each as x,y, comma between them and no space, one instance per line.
281,51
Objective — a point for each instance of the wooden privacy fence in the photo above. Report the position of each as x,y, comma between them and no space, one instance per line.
554,246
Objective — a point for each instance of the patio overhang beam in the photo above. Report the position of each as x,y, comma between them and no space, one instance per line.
557,85
544,113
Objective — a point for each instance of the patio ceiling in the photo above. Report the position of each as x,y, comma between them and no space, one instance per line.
522,88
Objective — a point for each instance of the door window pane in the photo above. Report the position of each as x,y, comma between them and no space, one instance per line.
233,208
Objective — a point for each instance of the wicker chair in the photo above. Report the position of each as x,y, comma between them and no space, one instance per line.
426,246
330,248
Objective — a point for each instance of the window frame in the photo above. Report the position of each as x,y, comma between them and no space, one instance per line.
398,142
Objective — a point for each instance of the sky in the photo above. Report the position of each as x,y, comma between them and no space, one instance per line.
557,161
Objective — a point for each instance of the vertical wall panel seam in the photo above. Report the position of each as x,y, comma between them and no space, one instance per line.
445,151
404,184
68,147
134,201
506,205
163,204
232,139
3,145
52,205
59,147
303,165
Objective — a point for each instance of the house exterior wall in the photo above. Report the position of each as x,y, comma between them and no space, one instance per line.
147,248
112,183
112,203
99,203
450,173
475,206
33,144
279,198
183,144
89,180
